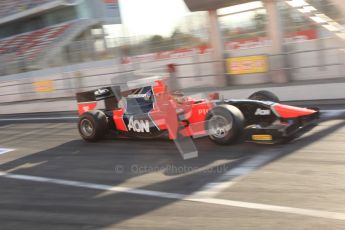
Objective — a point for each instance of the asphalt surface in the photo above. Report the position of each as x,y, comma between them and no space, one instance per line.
51,179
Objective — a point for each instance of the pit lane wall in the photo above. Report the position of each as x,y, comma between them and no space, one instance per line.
316,68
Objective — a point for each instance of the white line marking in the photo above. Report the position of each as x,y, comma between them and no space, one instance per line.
37,118
230,203
92,185
25,166
232,176
273,208
3,151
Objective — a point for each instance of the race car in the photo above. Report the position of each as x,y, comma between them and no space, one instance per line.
152,111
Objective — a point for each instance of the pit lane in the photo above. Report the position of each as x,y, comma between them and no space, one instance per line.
306,174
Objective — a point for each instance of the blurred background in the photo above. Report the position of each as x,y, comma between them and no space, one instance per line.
53,49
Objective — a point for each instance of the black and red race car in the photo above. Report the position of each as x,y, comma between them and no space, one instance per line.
152,110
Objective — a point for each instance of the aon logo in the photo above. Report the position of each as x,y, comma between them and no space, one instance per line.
263,112
138,126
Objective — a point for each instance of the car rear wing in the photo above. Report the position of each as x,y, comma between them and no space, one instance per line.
88,100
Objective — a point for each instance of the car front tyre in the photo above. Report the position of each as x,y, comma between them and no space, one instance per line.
225,124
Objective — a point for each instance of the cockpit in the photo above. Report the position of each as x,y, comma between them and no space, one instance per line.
138,101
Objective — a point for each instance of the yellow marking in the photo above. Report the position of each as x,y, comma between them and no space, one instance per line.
44,86
247,65
262,137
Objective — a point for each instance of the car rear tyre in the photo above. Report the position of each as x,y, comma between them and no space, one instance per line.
224,124
264,95
93,125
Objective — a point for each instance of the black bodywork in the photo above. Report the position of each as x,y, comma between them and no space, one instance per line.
267,123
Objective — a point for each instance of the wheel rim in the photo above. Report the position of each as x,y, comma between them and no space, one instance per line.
219,126
86,127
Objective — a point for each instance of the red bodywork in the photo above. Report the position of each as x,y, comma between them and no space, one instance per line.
286,111
86,106
166,112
